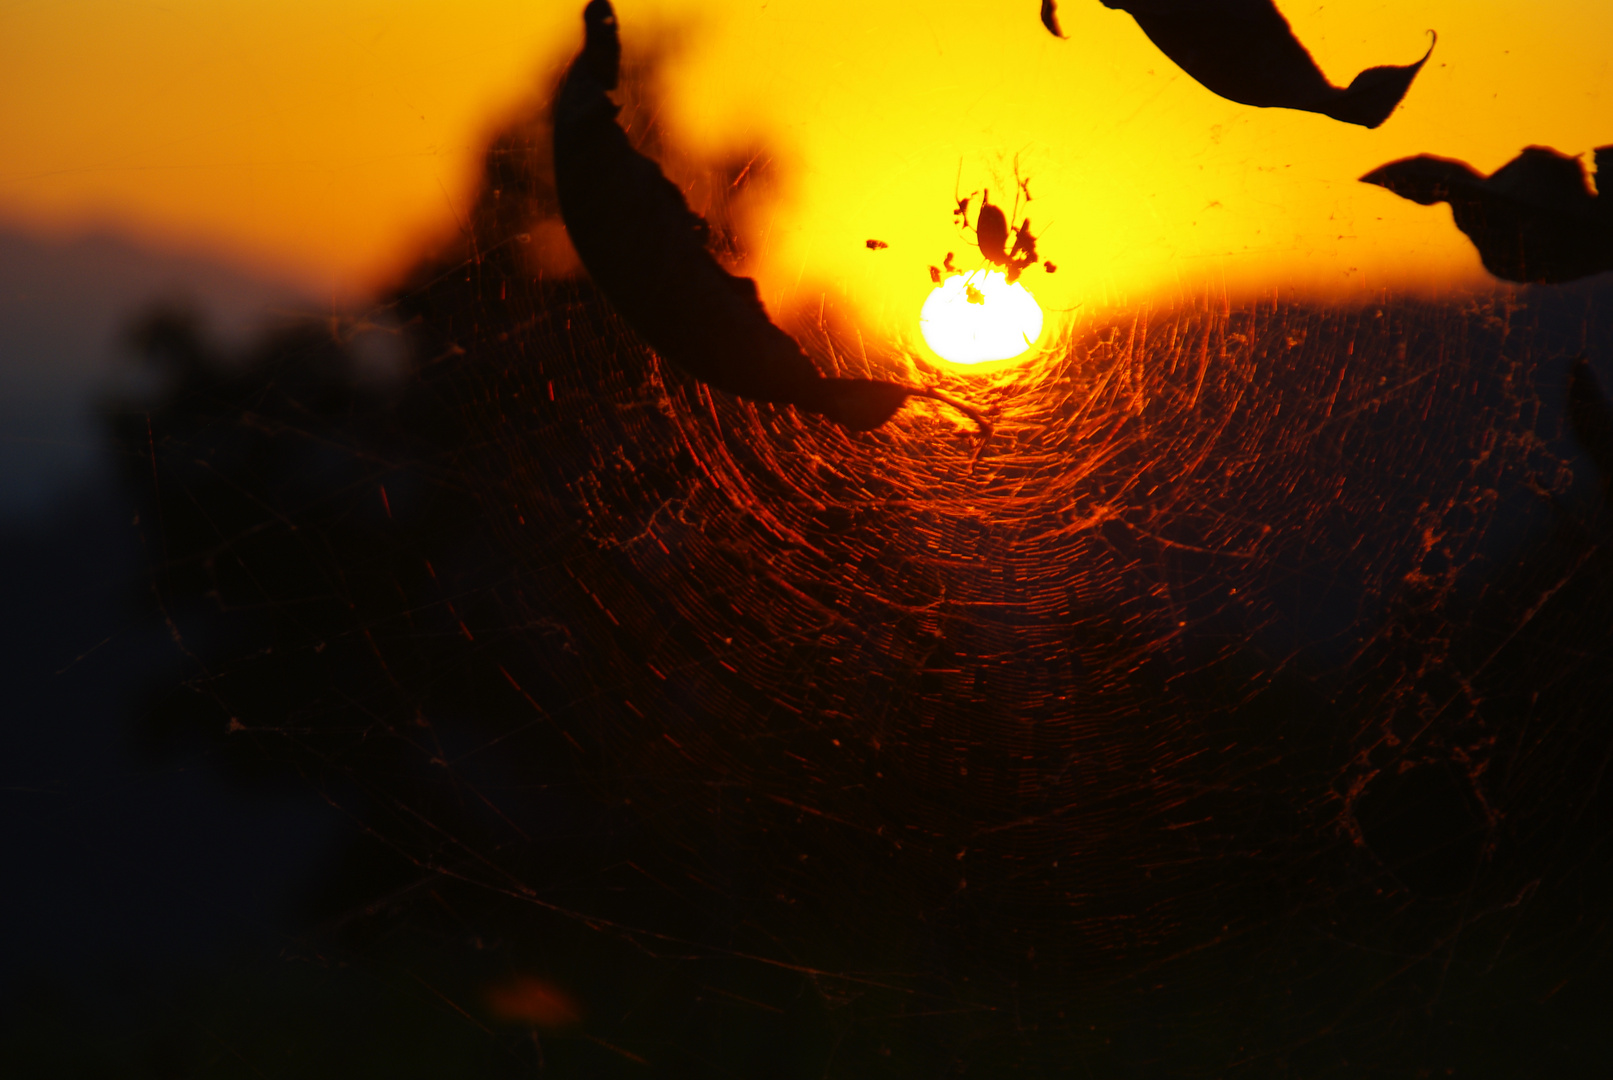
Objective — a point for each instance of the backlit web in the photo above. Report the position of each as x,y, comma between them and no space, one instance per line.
1237,708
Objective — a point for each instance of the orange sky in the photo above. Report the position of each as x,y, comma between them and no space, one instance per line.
327,140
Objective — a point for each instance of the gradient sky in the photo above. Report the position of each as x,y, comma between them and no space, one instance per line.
328,141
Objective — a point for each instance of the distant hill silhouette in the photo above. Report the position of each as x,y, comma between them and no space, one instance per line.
63,303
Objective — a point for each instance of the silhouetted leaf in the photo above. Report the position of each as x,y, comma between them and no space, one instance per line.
1245,51
645,249
1534,220
1050,18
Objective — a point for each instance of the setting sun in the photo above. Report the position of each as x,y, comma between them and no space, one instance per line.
979,317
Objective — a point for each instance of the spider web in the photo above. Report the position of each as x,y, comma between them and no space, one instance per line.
1234,709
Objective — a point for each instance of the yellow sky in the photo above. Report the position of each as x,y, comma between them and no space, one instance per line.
328,140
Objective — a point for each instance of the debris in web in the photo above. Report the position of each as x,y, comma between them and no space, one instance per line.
1245,51
1534,220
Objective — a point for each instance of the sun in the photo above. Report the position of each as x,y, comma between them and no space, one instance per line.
979,317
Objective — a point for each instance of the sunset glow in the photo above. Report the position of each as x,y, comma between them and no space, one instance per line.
980,317
333,141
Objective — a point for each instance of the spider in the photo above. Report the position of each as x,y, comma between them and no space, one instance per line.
992,231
